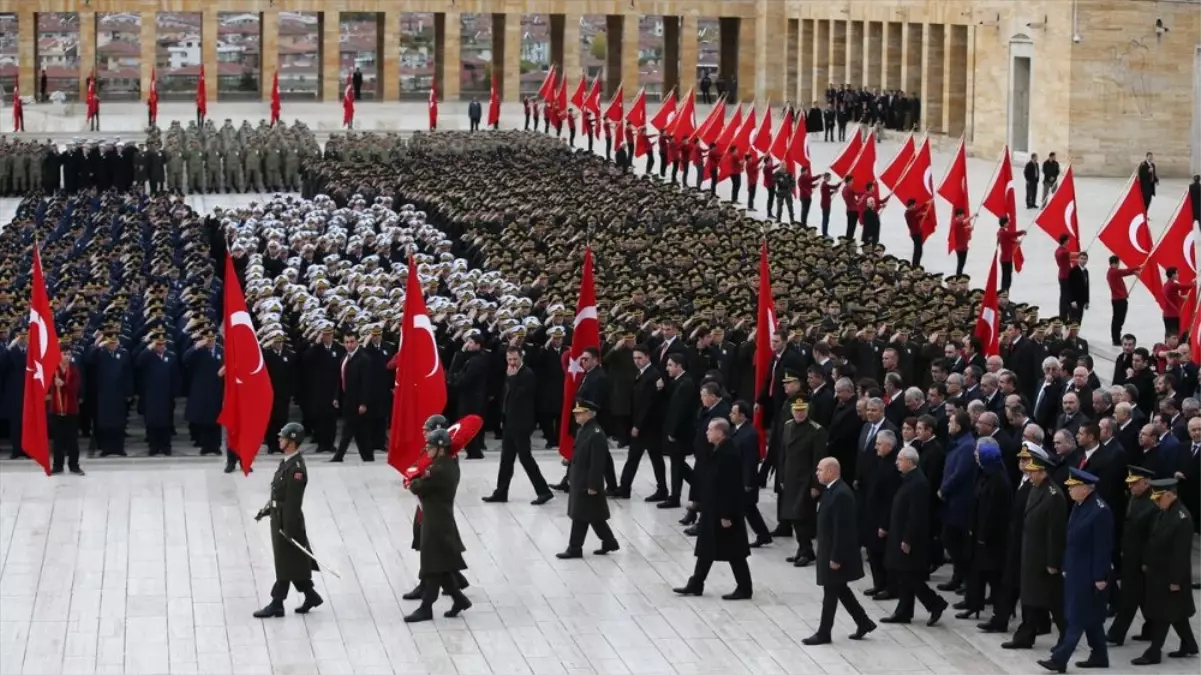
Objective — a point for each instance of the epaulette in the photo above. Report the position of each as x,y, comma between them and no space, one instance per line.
815,424
1051,489
1181,514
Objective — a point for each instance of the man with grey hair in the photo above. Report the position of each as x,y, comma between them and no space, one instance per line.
879,489
907,551
975,408
865,458
954,385
994,364
894,393
842,437
989,392
1127,429
915,402
1064,442
1050,390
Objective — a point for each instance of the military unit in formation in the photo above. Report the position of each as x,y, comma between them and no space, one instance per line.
193,160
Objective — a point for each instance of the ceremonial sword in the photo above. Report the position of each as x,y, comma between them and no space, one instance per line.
323,566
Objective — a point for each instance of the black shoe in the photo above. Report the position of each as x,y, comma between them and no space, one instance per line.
495,499
607,548
1114,640
951,585
885,595
422,613
56,470
871,592
414,594
570,554
229,467
617,493
863,631
338,459
968,614
816,639
896,619
760,542
561,487
992,626
803,560
689,517
1052,666
1141,637
1183,653
691,531
1089,663
311,601
475,455
668,503
272,610
935,615
739,594
656,496
1145,660
689,589
543,498
461,603
1014,644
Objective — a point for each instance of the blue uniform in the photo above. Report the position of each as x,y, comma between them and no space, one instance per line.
158,385
1086,559
114,383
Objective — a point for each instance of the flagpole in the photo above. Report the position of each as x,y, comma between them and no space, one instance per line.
1113,210
1130,282
996,172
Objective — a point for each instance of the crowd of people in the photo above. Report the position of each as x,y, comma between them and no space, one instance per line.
874,373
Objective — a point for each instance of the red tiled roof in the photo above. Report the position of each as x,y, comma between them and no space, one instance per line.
117,48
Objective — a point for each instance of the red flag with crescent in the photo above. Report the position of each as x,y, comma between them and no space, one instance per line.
1176,248
764,327
585,333
917,183
420,382
42,357
461,433
1001,200
246,406
1125,232
988,322
1058,217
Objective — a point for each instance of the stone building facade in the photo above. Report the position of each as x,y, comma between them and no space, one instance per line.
1098,81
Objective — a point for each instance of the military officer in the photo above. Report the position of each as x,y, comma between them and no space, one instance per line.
197,179
1087,554
212,161
1168,567
586,505
204,363
272,162
1042,552
288,534
441,547
281,367
254,168
804,443
1140,517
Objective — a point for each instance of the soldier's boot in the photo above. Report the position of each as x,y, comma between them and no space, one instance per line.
426,611
258,183
203,185
416,593
461,602
274,609
311,601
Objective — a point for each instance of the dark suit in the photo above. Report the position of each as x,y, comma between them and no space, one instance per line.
678,421
909,524
838,543
702,450
822,404
357,390
722,498
519,406
1046,407
646,415
843,437
746,441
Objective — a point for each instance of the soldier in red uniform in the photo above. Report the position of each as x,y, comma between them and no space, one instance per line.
827,196
1008,240
685,160
850,197
698,158
752,179
914,215
571,127
712,163
805,183
736,166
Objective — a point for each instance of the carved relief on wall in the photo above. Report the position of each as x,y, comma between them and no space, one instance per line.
1124,80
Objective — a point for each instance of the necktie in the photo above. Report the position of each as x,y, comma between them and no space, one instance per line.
1083,461
663,351
344,361
771,384
1196,448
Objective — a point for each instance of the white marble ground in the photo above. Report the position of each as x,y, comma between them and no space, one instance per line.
158,570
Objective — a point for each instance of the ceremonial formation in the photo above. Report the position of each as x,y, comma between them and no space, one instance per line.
438,297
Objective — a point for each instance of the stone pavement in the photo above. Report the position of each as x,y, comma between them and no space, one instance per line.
155,571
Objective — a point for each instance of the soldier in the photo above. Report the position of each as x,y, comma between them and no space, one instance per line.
159,380
1168,566
235,180
114,377
175,167
1140,517
1042,552
197,180
254,168
272,162
586,505
804,443
20,182
140,168
441,547
281,367
289,539
6,162
212,161
292,168
155,168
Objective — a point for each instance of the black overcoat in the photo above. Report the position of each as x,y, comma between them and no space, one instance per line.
722,498
838,536
441,547
587,472
287,502
909,523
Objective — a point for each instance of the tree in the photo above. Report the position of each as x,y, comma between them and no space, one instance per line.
599,47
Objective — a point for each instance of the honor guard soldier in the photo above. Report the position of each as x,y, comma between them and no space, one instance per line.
289,541
433,423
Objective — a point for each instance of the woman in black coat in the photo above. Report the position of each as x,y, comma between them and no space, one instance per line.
989,529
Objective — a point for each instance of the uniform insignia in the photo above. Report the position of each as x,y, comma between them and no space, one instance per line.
118,356
1053,491
166,359
1181,514
298,475
285,359
815,425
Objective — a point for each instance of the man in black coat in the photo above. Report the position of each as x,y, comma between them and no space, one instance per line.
519,419
382,381
838,558
322,383
646,418
713,406
771,397
281,369
879,489
678,423
845,425
1169,600
907,552
821,396
549,370
468,382
932,461
746,441
722,528
1078,290
595,386
586,504
357,397
1148,178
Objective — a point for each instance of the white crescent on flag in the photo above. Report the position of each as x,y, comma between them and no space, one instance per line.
422,322
241,318
989,317
929,180
35,319
1190,250
583,315
1132,233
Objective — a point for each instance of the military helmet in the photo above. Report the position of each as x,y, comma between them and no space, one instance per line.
438,438
292,431
436,422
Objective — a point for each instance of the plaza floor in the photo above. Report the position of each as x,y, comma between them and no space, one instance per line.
133,569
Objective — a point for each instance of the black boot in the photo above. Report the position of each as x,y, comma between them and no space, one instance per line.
426,611
311,601
275,608
414,594
461,603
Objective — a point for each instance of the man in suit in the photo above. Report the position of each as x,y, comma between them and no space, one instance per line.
669,342
907,552
866,458
356,396
1079,386
1071,418
1148,178
713,406
771,397
845,426
838,557
1048,394
646,427
746,441
678,423
1164,457
519,421
1078,290
821,396
594,386
1190,472
468,382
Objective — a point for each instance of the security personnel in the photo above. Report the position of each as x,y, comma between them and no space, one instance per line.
586,505
1140,518
1087,554
281,368
1168,566
441,547
288,534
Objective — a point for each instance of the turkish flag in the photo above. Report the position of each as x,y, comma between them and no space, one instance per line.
585,333
433,105
152,99
711,130
988,322
461,433
667,110
581,90
348,103
953,188
782,138
1001,200
891,174
917,183
1125,233
732,127
1194,331
561,101
762,141
1176,248
841,166
615,113
1058,217
494,104
42,357
420,383
246,406
275,99
202,104
864,166
798,150
637,114
739,145
592,103
547,89
765,325
683,125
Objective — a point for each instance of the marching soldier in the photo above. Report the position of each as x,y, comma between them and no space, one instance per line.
1042,552
1168,567
803,444
288,534
1140,518
586,505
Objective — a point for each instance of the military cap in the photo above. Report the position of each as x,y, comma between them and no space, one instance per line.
800,405
1136,473
1080,477
790,375
1040,460
1162,485
583,406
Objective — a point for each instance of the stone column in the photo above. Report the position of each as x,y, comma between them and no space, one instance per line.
932,77
571,46
27,47
689,53
332,84
511,90
752,80
856,46
629,54
838,53
875,53
822,77
452,76
558,50
614,34
956,80
149,33
268,51
808,90
389,58
208,53
87,53
671,54
792,82
893,50
911,67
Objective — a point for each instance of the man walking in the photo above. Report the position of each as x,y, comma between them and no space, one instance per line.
519,421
